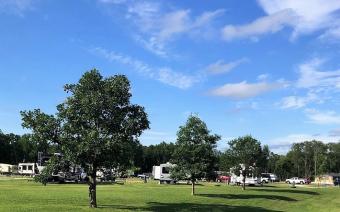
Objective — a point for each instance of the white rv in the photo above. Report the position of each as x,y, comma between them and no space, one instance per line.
27,168
250,178
162,173
6,168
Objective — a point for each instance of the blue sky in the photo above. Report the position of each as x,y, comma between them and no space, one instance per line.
269,68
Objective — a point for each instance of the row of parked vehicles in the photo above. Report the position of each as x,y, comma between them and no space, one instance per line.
162,173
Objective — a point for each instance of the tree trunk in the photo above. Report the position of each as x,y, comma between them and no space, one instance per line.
93,188
192,187
244,182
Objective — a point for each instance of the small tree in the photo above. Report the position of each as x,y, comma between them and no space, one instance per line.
96,126
194,151
245,151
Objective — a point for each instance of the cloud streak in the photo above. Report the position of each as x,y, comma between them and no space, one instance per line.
220,67
304,17
17,7
245,90
264,25
322,117
165,75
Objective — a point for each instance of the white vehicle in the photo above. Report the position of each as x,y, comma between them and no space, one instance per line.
273,177
6,168
265,177
250,180
162,173
253,181
27,168
296,180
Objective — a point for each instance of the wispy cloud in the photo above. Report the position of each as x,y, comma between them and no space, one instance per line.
264,25
164,74
112,1
220,67
334,133
17,7
311,75
322,117
245,90
295,102
150,137
304,17
311,15
157,25
166,27
281,145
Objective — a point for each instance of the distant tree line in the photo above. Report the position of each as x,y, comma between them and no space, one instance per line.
303,159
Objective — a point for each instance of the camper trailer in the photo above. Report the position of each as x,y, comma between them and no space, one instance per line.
6,168
27,168
250,179
162,173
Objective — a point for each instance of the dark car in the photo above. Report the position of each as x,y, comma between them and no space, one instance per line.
307,180
336,181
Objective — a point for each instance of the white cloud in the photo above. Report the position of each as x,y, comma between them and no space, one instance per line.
150,137
112,1
311,15
311,76
281,145
164,75
296,102
17,7
158,26
263,25
262,77
304,16
334,133
332,34
322,117
221,67
245,90
167,76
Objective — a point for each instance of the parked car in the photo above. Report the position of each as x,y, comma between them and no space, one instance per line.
142,176
265,178
307,180
223,179
296,180
273,177
336,181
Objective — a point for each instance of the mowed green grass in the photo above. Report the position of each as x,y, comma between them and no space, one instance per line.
23,195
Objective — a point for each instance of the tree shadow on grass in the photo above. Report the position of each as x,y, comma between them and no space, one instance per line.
249,196
295,191
157,206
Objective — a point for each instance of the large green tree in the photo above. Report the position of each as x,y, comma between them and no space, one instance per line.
96,126
194,153
246,151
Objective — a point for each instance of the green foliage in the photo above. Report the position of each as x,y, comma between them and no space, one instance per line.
46,129
245,150
96,126
15,148
148,156
52,167
100,125
194,154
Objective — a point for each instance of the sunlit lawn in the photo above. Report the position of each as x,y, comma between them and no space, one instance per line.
23,195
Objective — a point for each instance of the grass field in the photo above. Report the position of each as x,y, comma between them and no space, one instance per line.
22,195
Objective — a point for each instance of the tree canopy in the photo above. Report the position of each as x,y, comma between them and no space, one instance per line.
246,151
194,153
96,126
